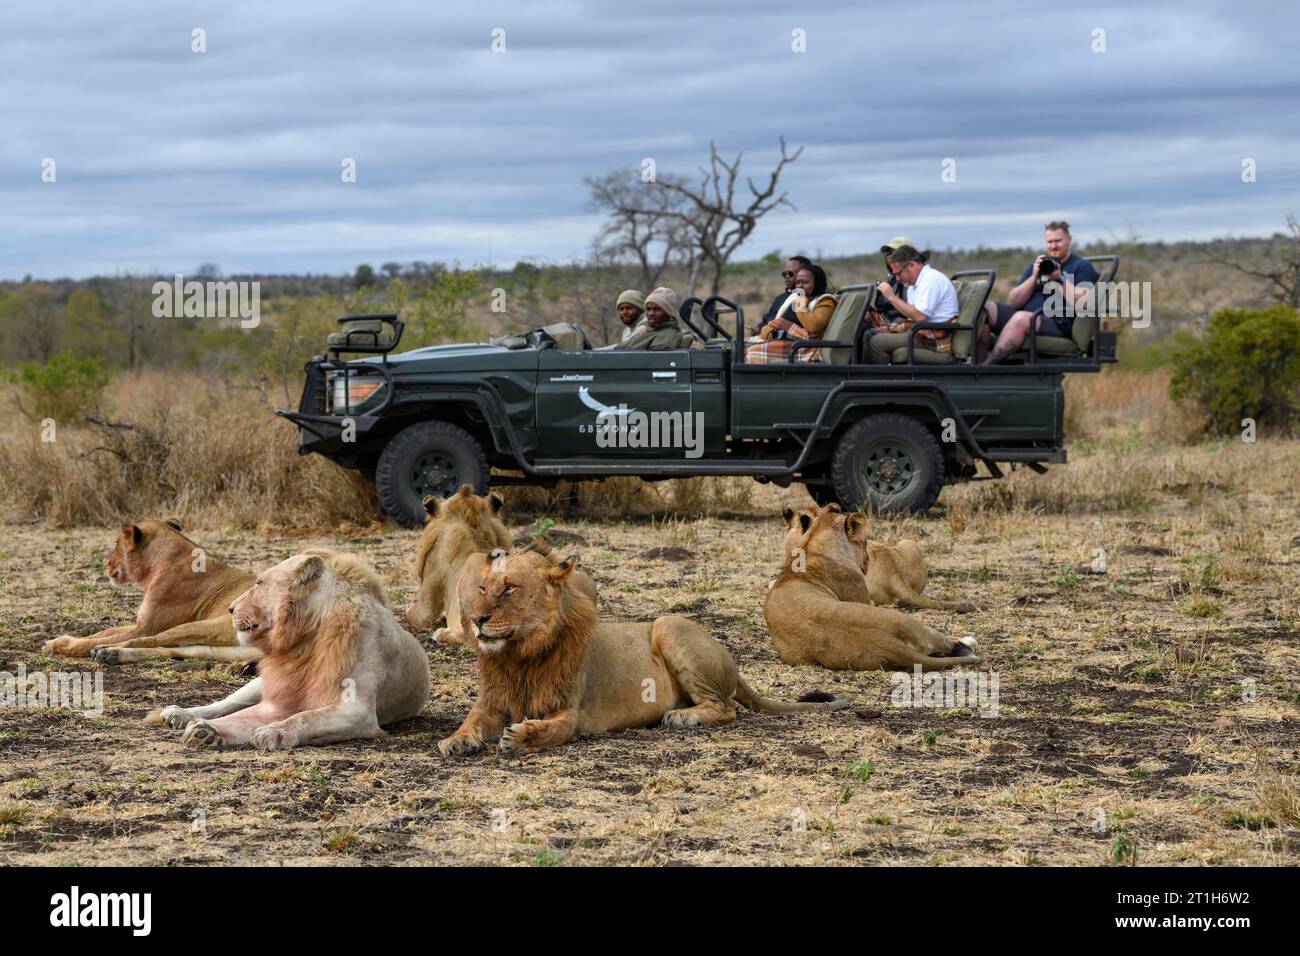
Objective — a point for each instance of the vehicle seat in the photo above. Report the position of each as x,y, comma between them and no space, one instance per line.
363,333
566,335
843,325
973,290
1079,344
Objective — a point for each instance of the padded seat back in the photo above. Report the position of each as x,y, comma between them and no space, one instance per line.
567,337
366,332
971,295
843,325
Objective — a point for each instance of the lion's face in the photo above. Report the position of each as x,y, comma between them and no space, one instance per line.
276,597
459,526
826,532
517,605
137,548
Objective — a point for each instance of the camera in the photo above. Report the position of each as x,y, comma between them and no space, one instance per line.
1049,267
882,305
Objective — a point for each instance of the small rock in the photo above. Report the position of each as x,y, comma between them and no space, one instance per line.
816,697
809,750
668,554
1002,748
868,714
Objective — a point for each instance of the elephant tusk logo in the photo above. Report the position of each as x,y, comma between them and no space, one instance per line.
600,408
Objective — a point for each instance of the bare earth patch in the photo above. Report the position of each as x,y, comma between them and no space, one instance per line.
1152,706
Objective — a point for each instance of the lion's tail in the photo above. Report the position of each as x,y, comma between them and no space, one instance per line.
746,696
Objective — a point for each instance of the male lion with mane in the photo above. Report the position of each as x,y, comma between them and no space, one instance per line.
186,594
895,573
550,671
336,665
820,611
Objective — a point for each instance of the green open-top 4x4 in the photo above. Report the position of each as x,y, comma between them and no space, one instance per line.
547,406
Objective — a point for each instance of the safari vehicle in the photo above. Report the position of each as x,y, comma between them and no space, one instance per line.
530,411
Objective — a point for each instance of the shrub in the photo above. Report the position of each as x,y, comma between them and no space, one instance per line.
1246,366
65,388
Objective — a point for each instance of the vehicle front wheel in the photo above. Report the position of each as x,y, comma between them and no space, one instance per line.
888,463
428,458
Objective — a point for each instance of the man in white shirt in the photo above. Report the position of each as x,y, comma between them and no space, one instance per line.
931,297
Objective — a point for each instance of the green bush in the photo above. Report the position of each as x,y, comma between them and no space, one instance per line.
1247,365
65,388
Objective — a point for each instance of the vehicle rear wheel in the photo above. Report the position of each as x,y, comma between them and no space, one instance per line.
888,463
428,458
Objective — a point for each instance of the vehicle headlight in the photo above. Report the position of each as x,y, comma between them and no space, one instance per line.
350,390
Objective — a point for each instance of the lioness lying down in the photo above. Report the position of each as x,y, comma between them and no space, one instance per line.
895,573
186,596
819,611
336,665
549,671
456,529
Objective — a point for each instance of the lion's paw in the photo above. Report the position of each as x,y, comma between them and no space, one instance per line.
65,646
106,655
514,739
268,737
681,718
177,718
458,746
201,734
445,635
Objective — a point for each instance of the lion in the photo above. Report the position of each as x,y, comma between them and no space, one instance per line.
551,671
456,529
336,665
183,613
820,609
895,573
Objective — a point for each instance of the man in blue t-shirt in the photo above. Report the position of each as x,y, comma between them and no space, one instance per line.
1011,321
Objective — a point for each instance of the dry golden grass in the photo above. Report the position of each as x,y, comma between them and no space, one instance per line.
1140,605
197,450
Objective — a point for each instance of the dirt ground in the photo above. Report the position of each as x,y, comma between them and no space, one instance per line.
1149,713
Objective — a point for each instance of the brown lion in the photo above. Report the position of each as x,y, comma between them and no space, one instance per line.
336,664
456,529
820,609
550,671
186,596
895,573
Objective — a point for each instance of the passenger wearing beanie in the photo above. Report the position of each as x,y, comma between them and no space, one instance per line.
662,331
631,309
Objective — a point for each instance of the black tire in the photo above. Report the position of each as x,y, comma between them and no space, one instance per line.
822,493
888,463
428,458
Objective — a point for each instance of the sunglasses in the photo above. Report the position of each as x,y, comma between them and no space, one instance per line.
787,275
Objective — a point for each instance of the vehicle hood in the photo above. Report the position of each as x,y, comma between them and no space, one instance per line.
467,357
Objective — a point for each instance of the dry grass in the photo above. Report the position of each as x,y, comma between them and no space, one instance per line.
1141,607
196,449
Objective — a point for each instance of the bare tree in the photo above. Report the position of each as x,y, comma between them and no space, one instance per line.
1282,272
716,220
719,222
647,224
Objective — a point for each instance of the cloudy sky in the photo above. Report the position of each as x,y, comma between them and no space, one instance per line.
166,158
